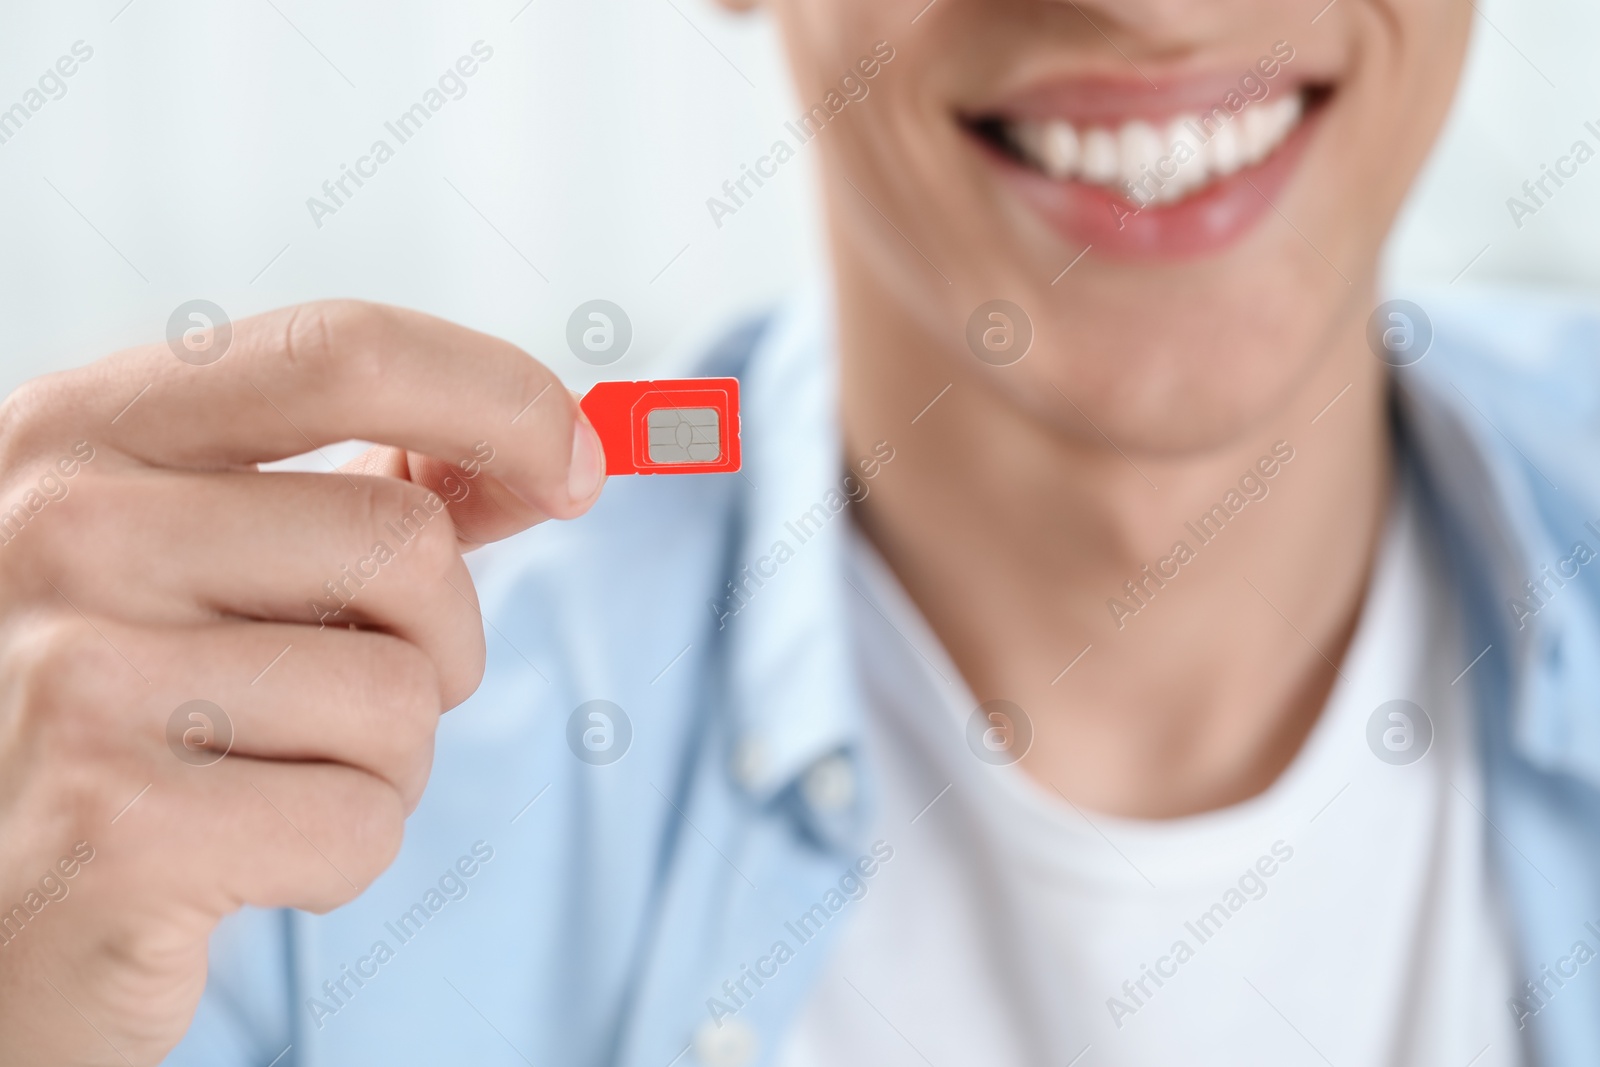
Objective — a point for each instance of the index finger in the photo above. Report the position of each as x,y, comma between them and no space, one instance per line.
315,374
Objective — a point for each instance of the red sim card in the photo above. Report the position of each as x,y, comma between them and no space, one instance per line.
673,426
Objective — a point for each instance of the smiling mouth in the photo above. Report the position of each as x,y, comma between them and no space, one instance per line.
1152,162
1182,171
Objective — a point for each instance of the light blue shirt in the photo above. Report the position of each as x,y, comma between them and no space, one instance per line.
552,909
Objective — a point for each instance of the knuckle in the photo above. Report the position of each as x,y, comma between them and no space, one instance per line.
403,694
382,504
437,550
374,827
84,794
413,680
308,338
84,511
414,516
400,703
527,377
24,415
57,711
51,525
327,343
381,500
419,518
346,852
22,405
53,665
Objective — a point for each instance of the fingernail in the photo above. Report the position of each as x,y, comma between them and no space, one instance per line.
588,464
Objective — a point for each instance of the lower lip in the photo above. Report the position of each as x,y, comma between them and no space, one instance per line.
1200,224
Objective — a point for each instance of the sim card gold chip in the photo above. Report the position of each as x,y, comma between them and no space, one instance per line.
683,435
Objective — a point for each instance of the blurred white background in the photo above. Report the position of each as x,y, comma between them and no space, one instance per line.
179,161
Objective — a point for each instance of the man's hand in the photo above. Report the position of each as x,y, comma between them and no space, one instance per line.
324,620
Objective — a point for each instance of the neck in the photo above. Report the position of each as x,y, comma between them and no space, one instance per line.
1024,545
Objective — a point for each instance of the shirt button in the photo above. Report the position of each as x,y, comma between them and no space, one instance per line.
732,1044
830,785
749,763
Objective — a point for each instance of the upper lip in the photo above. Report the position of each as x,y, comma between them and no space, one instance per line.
1111,101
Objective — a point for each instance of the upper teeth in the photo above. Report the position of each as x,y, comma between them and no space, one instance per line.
1142,160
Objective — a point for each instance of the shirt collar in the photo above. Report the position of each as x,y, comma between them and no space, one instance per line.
1462,414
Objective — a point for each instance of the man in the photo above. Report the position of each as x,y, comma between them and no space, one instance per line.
1127,641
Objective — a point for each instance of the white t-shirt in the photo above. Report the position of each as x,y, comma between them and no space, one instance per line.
1345,916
